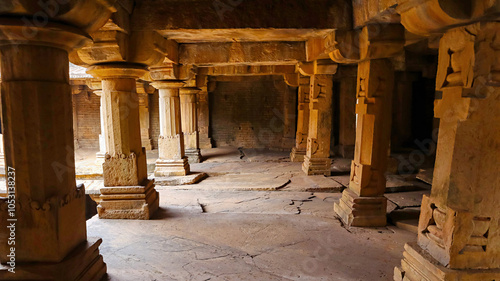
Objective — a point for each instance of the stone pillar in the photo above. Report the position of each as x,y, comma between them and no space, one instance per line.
402,110
37,124
127,192
316,160
2,158
289,117
459,226
144,120
96,86
203,112
75,120
100,155
363,203
171,156
347,113
299,150
189,123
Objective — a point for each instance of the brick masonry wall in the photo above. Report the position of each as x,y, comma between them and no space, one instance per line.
88,120
249,112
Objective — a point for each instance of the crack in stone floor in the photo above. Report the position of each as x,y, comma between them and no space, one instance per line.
246,235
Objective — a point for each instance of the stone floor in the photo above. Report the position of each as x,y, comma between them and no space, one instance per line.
247,235
255,217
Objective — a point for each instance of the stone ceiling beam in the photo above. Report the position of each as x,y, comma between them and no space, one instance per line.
223,14
269,53
246,70
432,17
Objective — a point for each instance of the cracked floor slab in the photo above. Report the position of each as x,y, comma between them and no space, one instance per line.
246,236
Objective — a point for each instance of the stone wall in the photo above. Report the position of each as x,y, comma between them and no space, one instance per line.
88,120
249,112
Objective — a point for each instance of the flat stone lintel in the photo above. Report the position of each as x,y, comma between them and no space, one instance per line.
167,168
297,155
83,263
128,202
361,211
317,166
418,265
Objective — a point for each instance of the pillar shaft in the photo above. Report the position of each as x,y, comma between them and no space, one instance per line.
189,123
122,133
102,142
38,136
127,194
204,119
363,203
45,209
289,116
459,231
172,160
316,160
402,110
144,121
299,150
347,113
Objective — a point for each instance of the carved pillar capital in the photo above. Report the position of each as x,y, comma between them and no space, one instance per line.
321,67
110,71
373,41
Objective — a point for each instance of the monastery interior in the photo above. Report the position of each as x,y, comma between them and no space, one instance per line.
250,140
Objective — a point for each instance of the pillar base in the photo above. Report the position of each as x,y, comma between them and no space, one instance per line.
317,166
128,202
193,155
83,263
418,265
297,155
361,211
167,168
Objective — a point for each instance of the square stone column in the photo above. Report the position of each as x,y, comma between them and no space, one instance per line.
189,123
144,120
299,150
172,160
459,226
143,91
203,112
363,203
127,192
42,221
316,160
100,156
402,110
347,77
2,157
